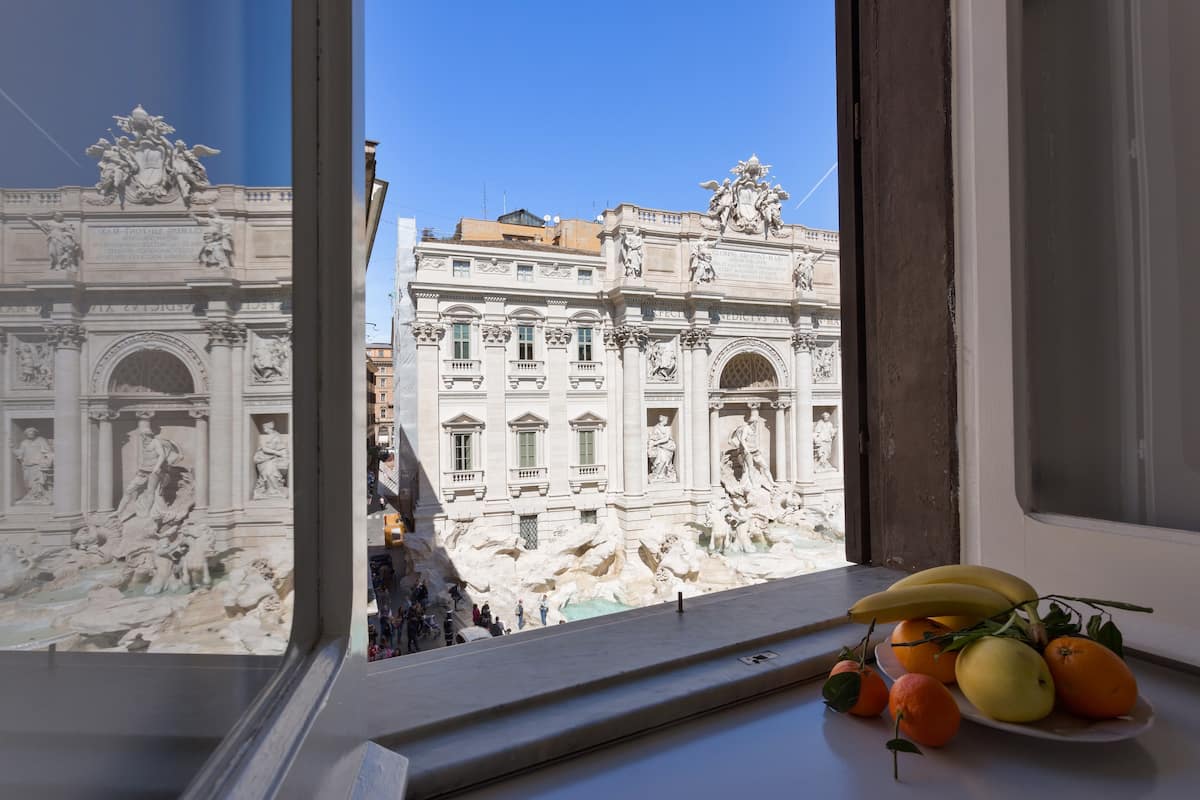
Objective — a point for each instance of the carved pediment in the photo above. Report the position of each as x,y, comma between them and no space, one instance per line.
463,420
528,420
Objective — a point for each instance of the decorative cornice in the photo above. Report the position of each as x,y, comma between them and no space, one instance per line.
631,336
102,414
495,334
428,332
225,333
558,337
782,403
694,337
804,341
65,334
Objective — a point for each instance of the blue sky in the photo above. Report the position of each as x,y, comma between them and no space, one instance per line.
570,108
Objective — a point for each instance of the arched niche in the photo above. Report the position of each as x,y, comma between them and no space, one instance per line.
162,370
765,358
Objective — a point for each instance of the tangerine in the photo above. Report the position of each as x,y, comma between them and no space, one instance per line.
1089,679
931,717
873,693
926,659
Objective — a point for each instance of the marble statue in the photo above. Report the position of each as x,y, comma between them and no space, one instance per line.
718,518
271,461
37,463
746,444
35,364
15,567
144,166
660,447
824,432
662,362
702,262
61,241
749,204
802,275
631,252
823,363
217,250
269,361
155,455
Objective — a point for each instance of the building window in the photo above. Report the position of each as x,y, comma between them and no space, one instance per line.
585,344
462,340
525,273
527,449
588,516
525,343
529,531
585,277
463,452
587,448
461,269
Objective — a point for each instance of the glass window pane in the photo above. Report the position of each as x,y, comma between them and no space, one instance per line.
146,321
1106,246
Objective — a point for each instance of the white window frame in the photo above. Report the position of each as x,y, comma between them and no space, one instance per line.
455,263
455,341
462,440
526,273
524,438
585,276
533,350
592,438
590,343
1057,553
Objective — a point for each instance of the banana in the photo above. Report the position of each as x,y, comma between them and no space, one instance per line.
1019,592
933,600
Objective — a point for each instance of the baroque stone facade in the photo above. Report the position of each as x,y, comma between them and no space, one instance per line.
149,353
682,330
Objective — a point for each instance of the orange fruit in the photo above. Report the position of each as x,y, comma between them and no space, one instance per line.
1089,679
926,659
872,697
931,717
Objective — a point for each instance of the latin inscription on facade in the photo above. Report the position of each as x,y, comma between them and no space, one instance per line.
134,244
745,265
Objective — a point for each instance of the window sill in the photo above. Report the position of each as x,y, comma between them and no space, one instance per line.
495,707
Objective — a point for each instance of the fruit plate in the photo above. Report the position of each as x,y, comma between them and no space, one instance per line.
1059,726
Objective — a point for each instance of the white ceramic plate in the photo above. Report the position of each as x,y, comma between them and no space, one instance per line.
1059,726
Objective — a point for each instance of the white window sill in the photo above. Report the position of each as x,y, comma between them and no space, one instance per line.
476,712
788,745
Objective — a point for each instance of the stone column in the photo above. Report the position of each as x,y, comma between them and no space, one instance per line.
67,341
200,460
559,457
802,346
428,335
223,336
696,341
632,339
783,470
612,452
495,344
715,404
104,457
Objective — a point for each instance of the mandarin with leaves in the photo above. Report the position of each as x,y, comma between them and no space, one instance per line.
1090,680
930,715
927,658
872,693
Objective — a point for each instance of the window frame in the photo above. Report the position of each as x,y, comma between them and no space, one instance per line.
580,343
301,735
591,439
455,341
525,273
527,445
1066,554
522,344
465,263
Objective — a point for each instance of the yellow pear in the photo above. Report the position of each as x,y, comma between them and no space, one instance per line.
1006,679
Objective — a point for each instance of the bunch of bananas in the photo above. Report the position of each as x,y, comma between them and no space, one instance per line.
957,595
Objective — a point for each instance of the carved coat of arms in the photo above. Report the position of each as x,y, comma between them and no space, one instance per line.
748,203
143,166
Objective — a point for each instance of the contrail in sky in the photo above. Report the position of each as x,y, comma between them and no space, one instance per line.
41,130
828,172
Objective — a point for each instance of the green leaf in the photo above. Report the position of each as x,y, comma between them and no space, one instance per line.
841,691
847,655
1110,636
1093,626
903,746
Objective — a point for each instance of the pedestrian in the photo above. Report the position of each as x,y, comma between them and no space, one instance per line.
543,609
520,614
485,616
385,628
414,629
455,595
476,614
448,628
496,629
420,592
